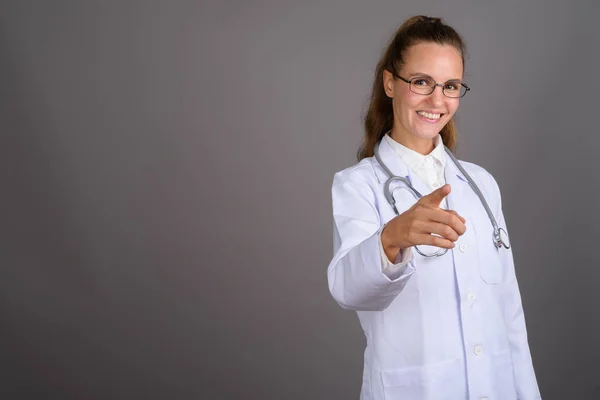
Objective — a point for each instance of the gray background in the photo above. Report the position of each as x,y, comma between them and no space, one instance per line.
166,171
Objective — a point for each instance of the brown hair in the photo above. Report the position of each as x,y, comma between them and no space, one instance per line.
380,117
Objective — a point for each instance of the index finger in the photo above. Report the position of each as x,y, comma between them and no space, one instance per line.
436,197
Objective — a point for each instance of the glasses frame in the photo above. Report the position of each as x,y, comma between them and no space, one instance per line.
435,84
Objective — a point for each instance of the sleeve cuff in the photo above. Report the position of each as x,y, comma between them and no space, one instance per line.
397,270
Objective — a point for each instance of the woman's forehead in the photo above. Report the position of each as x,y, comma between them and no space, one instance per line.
441,62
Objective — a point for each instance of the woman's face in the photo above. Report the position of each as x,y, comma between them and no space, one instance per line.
419,118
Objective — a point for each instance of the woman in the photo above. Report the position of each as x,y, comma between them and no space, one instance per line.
431,277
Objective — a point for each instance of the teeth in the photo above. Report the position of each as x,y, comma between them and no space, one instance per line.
429,115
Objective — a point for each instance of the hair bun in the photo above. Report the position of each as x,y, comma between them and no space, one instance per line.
431,20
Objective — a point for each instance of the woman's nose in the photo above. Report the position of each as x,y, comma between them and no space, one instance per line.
437,97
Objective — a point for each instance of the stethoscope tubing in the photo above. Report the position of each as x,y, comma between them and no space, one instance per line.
498,232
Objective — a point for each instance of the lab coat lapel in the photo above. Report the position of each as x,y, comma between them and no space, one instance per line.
392,161
399,168
403,196
418,184
458,199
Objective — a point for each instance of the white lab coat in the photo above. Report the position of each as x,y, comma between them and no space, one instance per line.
448,328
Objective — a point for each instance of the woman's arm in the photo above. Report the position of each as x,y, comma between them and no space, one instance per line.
356,273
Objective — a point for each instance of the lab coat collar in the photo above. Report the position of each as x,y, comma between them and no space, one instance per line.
414,159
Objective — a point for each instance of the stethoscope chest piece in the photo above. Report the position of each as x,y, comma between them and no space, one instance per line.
501,239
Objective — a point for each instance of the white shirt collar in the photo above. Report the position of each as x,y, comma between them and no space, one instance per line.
415,160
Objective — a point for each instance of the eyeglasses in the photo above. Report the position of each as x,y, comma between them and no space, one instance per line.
425,85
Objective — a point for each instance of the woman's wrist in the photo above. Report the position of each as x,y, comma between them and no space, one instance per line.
391,251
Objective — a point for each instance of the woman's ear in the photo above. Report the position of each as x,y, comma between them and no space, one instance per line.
388,83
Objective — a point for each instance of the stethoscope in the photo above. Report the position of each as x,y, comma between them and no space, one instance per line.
500,236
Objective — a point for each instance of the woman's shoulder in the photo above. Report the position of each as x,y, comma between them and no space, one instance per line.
484,179
360,173
474,169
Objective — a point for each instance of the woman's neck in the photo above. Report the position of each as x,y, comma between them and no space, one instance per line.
420,145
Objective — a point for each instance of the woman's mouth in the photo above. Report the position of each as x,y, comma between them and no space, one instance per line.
429,117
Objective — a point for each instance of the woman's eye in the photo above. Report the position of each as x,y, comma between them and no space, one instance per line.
452,86
421,82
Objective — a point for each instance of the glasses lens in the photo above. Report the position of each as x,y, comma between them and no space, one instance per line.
422,85
454,89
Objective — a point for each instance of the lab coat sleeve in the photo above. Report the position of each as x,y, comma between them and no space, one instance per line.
356,273
525,379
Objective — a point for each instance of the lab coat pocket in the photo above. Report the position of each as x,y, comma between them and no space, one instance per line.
439,381
503,375
490,264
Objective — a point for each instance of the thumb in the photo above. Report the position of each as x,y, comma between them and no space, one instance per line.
435,198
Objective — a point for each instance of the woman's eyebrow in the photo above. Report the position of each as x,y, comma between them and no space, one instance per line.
421,74
424,75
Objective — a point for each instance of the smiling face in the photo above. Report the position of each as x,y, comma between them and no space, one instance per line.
419,118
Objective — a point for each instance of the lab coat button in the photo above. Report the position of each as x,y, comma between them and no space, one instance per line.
484,398
463,248
478,350
471,296
436,185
